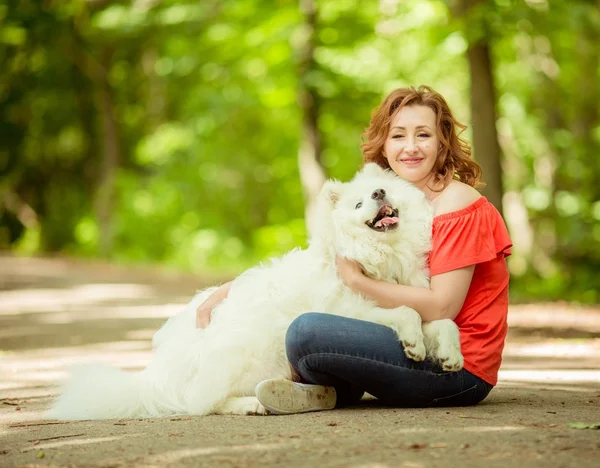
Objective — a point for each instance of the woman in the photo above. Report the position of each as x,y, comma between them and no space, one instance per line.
337,359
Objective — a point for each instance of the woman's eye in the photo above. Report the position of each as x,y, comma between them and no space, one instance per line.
423,135
358,205
397,137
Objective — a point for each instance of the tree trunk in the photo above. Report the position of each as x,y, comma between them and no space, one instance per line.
105,191
483,98
312,173
483,114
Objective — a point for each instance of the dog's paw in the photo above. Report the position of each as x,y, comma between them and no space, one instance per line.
450,359
414,349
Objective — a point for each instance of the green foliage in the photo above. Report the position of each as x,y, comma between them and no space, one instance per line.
580,425
207,126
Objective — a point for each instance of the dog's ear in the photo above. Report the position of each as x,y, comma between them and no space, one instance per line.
373,170
331,192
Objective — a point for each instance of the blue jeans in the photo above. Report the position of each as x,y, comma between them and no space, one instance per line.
355,356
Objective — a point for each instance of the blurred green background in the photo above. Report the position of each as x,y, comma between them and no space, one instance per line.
192,133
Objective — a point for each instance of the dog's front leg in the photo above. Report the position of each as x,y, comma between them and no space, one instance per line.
442,341
406,322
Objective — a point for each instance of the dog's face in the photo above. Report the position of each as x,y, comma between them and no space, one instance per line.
373,215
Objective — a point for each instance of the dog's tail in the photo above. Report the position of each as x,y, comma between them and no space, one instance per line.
102,392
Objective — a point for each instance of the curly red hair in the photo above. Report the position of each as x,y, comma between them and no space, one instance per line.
454,157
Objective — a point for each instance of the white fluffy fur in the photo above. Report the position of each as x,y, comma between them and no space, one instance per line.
215,370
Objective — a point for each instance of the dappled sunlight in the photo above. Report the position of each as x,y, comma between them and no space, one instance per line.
429,430
543,362
82,315
491,428
114,312
555,315
9,417
552,346
86,441
54,299
553,354
550,376
400,464
73,315
580,387
141,335
557,349
75,335
384,465
533,363
49,366
177,455
38,376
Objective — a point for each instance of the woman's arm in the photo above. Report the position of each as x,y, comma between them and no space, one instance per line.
205,309
443,300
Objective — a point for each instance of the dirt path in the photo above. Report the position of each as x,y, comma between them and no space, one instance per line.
54,313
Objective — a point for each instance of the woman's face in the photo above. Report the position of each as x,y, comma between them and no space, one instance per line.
412,144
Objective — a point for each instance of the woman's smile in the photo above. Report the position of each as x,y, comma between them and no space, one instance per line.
411,160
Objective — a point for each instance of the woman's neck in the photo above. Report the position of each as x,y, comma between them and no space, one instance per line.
431,189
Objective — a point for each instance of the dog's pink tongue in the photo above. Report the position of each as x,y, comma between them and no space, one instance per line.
386,221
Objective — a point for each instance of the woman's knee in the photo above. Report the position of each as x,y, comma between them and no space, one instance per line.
303,334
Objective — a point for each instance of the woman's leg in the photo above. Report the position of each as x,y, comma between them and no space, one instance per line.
356,356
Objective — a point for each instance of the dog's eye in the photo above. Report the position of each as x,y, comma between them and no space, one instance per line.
358,205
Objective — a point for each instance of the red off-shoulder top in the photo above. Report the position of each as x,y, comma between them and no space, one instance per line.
477,235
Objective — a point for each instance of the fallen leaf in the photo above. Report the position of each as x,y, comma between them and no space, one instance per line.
11,402
464,446
40,455
579,425
332,424
417,446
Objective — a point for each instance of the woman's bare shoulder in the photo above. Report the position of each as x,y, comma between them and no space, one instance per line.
455,197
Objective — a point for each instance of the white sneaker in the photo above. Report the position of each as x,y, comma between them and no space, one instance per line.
282,396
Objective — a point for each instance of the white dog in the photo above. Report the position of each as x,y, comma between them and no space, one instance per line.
377,219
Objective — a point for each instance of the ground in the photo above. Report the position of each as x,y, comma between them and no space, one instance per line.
56,312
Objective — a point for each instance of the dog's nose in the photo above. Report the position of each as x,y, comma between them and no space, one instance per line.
378,194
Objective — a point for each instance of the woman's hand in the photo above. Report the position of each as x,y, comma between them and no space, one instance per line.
205,309
349,270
